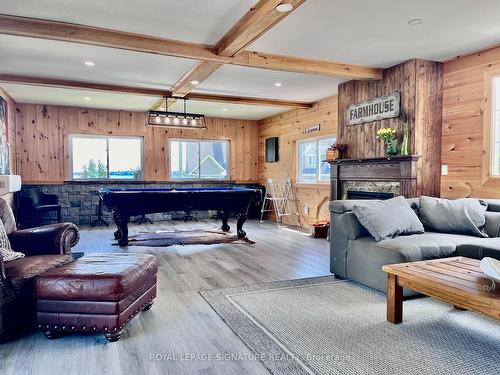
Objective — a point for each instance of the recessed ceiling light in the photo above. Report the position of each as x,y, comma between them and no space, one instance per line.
195,82
224,109
415,21
87,98
278,84
89,63
283,8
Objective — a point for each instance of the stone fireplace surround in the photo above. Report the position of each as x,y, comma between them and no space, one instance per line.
370,186
397,175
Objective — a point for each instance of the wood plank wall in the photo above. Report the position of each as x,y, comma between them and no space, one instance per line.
41,147
289,128
420,85
464,101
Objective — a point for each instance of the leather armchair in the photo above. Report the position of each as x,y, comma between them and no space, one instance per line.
45,248
33,203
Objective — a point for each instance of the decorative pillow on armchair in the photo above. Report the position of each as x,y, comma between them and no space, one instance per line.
388,219
7,253
462,216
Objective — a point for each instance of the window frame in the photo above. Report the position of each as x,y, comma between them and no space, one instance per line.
107,137
319,160
198,141
494,138
487,177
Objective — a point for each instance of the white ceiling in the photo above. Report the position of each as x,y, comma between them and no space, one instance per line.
354,31
75,97
377,32
54,59
235,80
109,100
199,21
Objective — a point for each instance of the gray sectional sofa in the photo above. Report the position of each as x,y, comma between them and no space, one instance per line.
355,255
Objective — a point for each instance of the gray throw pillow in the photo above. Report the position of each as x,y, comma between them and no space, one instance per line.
462,216
388,219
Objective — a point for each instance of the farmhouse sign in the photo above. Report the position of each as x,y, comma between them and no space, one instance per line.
376,109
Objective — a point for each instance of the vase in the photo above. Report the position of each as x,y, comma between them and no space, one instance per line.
391,147
405,149
330,155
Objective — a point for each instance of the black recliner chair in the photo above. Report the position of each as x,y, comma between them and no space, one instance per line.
33,204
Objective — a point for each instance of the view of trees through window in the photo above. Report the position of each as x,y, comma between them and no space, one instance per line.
104,157
94,170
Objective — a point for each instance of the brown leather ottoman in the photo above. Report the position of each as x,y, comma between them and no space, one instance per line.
95,293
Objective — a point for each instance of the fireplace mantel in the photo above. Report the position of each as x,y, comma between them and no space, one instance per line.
401,169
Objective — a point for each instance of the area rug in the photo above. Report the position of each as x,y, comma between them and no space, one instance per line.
191,237
326,326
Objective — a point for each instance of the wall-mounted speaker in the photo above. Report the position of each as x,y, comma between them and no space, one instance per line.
272,150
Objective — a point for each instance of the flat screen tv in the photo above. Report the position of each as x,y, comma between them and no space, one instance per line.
272,150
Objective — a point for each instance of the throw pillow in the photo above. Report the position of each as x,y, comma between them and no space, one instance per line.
388,219
7,253
461,216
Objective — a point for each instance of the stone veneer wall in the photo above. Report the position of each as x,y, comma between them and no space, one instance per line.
79,206
373,186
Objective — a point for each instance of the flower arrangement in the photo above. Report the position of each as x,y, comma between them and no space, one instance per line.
391,142
340,147
336,151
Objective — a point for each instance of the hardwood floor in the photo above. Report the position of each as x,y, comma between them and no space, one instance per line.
180,322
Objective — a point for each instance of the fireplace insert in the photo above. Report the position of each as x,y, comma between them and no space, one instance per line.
351,194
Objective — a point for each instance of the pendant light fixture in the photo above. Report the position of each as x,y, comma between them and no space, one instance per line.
171,119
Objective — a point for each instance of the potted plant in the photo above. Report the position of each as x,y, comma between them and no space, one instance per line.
336,151
391,142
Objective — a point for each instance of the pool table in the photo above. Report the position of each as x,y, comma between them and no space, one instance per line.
131,202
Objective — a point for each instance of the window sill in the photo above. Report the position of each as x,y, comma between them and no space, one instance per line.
142,182
313,185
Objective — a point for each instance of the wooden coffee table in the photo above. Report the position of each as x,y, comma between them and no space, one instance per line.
456,280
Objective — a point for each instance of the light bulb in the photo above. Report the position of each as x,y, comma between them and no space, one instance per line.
157,119
184,121
284,8
193,122
176,121
167,120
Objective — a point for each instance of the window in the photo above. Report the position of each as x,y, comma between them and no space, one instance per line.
195,160
310,156
96,157
495,115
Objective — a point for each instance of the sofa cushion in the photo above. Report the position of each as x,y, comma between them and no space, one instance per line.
480,248
365,256
462,216
388,219
429,245
492,224
21,272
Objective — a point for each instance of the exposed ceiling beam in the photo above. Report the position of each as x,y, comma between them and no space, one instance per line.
199,72
248,100
62,83
252,25
54,30
65,83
